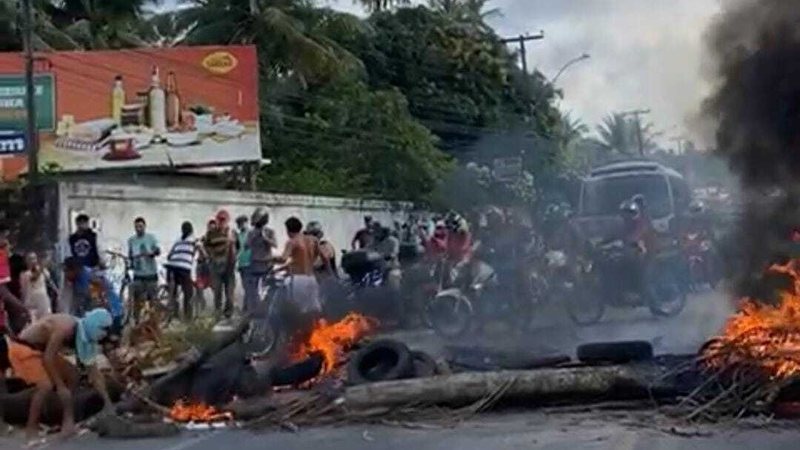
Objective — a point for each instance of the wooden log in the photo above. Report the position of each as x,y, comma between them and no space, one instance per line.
606,383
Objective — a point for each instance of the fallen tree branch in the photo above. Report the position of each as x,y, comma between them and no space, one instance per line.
610,382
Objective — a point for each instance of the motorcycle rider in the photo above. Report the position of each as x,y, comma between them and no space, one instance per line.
388,247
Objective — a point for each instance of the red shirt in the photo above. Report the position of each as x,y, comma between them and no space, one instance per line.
459,246
5,266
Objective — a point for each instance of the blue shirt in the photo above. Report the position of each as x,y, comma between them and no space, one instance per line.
143,266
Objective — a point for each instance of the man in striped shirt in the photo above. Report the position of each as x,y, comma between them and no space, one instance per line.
180,262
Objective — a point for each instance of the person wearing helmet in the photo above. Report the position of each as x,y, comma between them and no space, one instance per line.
459,239
325,265
260,242
637,228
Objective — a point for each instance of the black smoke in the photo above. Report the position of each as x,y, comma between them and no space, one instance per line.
755,47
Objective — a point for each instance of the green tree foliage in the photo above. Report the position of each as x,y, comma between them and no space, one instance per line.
346,139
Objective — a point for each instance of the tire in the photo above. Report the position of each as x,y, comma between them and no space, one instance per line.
582,307
451,314
297,373
261,337
382,360
424,364
666,297
615,352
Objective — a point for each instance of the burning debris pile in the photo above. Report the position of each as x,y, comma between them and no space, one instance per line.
332,340
751,367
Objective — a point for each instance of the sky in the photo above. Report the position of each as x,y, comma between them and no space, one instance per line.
644,54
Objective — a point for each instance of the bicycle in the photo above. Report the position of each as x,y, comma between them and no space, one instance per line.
120,269
266,328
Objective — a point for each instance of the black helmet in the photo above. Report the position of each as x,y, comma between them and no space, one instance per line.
314,228
696,207
629,208
260,217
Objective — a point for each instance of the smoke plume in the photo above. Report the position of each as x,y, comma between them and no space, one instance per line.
755,46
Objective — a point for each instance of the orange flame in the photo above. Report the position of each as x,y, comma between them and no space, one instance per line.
763,335
332,340
197,412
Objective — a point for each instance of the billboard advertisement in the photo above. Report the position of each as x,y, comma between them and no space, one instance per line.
131,109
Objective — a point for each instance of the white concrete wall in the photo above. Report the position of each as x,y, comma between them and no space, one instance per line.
114,207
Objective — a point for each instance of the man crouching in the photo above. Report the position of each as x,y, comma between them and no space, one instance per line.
35,357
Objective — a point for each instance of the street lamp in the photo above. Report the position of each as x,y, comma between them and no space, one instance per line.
569,63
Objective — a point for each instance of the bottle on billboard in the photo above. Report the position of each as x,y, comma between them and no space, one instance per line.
117,100
173,102
157,106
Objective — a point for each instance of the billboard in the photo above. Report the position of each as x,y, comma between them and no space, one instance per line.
133,109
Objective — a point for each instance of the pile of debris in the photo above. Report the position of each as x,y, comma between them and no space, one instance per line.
340,373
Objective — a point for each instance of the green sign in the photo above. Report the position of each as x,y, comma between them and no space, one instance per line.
12,102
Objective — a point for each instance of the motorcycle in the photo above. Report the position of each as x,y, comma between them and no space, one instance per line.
476,298
701,259
623,282
365,289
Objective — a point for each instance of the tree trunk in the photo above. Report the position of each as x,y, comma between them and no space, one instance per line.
606,383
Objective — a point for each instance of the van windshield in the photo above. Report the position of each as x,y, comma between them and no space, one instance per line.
604,196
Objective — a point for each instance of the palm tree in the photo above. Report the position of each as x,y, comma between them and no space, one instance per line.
380,5
619,134
294,36
466,12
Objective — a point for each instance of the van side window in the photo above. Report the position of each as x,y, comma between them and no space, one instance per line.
680,192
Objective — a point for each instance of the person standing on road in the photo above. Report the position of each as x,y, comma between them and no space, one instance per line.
180,262
17,314
143,250
242,250
260,242
364,237
219,245
34,287
298,258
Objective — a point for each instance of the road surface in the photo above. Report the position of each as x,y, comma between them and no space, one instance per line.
546,429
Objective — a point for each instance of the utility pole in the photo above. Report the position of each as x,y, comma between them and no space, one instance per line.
639,138
520,40
31,137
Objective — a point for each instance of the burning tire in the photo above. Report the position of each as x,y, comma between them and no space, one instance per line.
615,352
381,360
450,313
299,372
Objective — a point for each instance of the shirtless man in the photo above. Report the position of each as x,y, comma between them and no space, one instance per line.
298,259
35,357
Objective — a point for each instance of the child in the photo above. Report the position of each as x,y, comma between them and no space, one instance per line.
33,283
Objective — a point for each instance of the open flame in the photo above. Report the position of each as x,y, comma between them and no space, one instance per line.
332,340
761,335
197,412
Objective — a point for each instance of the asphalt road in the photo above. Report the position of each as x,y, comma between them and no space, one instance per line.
533,430
546,429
